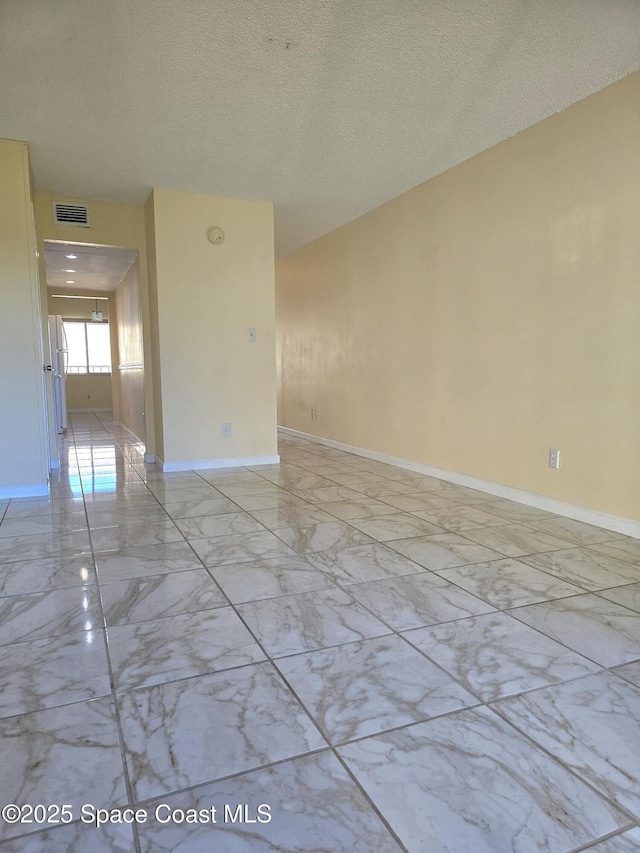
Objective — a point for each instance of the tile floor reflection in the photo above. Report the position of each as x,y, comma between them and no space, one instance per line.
390,661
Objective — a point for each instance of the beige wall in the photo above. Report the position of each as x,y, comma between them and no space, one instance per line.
152,338
207,297
111,225
23,462
91,391
487,315
128,371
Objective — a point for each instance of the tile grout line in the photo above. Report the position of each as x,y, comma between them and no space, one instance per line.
392,631
114,700
590,845
270,660
632,819
280,676
480,703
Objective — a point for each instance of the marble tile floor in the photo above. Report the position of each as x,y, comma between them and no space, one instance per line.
360,657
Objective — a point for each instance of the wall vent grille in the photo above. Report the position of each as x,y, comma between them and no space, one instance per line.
72,214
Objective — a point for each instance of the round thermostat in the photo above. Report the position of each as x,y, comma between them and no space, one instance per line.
215,234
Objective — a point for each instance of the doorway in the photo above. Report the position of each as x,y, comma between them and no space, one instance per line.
95,290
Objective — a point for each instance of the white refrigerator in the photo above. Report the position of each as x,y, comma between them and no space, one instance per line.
58,341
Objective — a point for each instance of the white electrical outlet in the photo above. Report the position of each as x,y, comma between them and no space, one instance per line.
226,430
251,335
554,459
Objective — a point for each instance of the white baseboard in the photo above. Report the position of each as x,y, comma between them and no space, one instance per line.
625,526
37,490
150,458
235,462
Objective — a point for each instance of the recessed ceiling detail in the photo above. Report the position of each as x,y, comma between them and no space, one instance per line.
370,98
99,268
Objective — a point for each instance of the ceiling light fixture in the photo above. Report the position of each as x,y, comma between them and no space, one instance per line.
71,257
96,316
76,296
69,270
68,281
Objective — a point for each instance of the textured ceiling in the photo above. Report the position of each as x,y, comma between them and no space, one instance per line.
99,268
325,107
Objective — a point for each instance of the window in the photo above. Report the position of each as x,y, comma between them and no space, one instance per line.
88,347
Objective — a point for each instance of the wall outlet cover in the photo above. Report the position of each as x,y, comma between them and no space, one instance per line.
554,459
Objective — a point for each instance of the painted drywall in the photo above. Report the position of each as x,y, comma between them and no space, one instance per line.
111,225
207,297
488,315
152,337
23,460
128,371
89,392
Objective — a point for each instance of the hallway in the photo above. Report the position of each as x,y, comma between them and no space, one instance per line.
386,660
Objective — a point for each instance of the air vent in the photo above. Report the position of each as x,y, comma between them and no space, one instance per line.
72,214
